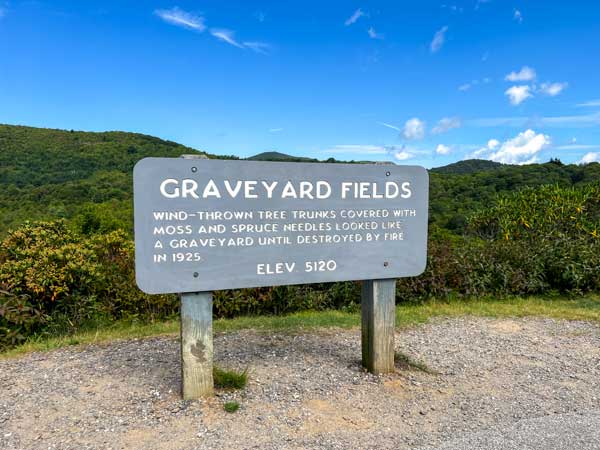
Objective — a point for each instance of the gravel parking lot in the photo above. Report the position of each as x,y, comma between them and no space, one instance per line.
498,384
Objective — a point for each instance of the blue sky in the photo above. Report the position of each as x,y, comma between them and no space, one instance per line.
424,82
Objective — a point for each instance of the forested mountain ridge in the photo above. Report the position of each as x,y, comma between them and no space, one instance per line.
468,166
87,177
277,156
47,173
455,196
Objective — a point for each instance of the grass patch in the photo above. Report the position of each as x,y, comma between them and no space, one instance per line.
231,407
229,379
115,331
305,320
578,308
405,362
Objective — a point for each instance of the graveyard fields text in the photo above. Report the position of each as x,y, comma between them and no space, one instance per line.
172,188
189,236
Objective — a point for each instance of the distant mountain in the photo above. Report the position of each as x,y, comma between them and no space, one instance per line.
468,166
46,173
86,178
276,156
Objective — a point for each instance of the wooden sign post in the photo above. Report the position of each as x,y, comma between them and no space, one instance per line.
378,317
196,345
196,340
203,225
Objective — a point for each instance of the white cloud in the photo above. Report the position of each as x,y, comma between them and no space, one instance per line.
400,153
178,17
373,34
466,86
518,94
493,144
226,36
525,74
522,149
275,130
590,103
403,155
181,18
438,39
446,124
393,127
354,17
258,47
442,149
552,89
518,16
476,154
590,158
414,129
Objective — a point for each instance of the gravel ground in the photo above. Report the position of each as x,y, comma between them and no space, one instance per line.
499,385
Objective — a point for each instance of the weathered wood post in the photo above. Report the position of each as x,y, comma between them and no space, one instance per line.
196,340
196,345
378,325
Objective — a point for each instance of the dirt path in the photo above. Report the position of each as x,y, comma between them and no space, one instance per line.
306,390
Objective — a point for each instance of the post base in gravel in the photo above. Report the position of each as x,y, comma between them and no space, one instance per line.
196,345
378,316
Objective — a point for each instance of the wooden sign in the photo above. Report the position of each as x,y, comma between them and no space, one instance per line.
204,225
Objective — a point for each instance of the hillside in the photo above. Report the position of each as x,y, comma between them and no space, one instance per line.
87,177
276,156
48,173
454,196
467,166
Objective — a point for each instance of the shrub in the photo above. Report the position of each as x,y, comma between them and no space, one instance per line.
60,280
556,231
47,262
18,319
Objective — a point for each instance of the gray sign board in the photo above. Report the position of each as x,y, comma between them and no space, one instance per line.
204,225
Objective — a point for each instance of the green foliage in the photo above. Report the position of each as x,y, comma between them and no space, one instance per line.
533,241
457,190
229,379
467,167
18,319
53,280
49,174
277,156
542,213
471,267
47,262
558,226
287,299
231,407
